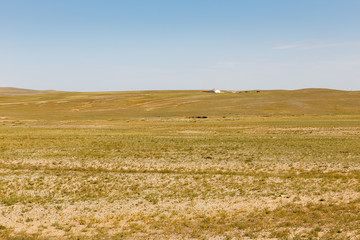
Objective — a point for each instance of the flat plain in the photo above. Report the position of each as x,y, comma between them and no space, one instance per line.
180,165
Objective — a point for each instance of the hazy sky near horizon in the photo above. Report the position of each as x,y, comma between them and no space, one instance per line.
94,45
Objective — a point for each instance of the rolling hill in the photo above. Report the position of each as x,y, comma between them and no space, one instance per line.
148,164
32,104
11,91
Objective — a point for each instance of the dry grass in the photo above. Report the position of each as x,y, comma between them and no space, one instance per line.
166,177
146,104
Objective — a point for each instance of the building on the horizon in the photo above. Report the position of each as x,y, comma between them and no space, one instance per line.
213,91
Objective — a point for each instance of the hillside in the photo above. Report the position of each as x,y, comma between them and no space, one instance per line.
120,105
149,165
11,91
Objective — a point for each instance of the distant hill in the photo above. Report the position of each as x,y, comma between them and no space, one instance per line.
27,104
10,91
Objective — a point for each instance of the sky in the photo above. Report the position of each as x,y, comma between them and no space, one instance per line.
120,45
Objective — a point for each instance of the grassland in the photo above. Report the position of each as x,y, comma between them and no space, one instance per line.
10,91
131,165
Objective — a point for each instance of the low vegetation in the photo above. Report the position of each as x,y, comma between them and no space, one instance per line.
144,165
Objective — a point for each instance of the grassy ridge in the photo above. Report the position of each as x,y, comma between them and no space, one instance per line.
10,91
117,105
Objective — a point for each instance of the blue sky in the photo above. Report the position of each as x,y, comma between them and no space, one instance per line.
94,45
